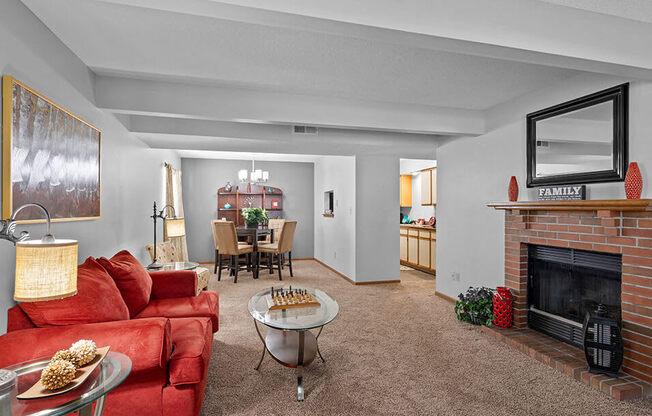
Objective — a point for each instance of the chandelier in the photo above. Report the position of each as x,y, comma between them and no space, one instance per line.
254,176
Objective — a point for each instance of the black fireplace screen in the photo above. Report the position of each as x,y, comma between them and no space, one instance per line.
569,283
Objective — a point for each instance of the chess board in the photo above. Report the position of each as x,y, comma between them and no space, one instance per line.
278,299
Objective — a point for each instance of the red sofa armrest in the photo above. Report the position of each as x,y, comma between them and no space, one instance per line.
146,341
174,284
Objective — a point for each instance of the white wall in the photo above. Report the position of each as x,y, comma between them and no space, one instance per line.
474,171
131,172
377,218
335,237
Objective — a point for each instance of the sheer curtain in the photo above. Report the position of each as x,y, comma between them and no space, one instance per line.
173,196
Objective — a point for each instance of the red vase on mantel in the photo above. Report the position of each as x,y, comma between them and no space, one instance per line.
633,182
512,191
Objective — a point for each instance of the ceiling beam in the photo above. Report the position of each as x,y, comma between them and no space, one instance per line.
170,99
185,134
517,30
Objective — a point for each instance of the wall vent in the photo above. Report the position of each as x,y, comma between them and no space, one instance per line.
304,130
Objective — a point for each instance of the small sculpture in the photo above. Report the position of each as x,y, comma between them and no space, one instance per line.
57,374
227,206
228,187
66,355
86,350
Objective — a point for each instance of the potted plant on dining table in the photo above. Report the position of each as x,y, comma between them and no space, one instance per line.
254,217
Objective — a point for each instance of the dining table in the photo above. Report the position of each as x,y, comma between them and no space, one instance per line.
253,235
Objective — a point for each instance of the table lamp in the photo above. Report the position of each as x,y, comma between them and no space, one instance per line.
46,269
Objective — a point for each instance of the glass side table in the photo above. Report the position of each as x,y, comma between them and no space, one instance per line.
178,265
108,375
288,338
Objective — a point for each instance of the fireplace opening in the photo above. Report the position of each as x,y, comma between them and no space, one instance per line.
564,284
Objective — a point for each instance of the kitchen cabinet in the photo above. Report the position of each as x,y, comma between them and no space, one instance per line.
413,246
429,186
424,249
404,245
426,187
433,186
418,247
406,190
433,252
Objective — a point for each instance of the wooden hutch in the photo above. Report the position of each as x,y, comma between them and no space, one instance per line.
255,196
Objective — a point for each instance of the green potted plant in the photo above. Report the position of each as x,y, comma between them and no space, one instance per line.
254,216
475,306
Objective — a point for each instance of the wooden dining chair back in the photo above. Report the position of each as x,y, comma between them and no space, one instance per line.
214,229
276,224
227,239
287,236
279,249
217,246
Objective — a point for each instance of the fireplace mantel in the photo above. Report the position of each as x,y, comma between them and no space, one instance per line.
630,205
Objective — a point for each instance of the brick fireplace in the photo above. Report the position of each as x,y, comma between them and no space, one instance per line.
613,226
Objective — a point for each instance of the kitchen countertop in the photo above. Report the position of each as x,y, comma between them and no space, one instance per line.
421,227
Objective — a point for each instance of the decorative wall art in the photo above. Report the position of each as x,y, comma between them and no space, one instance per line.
49,155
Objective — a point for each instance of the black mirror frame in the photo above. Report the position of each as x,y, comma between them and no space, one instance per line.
620,97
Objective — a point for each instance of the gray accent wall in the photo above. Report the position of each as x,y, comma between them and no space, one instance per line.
202,178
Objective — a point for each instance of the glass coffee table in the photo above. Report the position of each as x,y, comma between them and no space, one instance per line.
109,374
288,339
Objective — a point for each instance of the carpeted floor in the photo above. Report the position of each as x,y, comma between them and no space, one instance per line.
395,349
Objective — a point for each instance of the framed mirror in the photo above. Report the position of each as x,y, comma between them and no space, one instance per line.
579,141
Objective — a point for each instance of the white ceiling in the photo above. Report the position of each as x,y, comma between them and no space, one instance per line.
197,74
640,10
146,43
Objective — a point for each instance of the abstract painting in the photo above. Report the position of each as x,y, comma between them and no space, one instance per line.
49,156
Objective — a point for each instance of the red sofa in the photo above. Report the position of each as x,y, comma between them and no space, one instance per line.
169,340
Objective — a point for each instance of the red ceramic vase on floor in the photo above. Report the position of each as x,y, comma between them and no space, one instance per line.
512,191
633,182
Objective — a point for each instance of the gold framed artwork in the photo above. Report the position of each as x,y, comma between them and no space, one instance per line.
49,156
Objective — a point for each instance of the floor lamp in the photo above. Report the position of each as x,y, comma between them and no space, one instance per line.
174,227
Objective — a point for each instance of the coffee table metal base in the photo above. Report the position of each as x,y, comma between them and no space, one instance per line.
291,348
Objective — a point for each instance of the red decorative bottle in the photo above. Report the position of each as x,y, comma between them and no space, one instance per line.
512,191
633,182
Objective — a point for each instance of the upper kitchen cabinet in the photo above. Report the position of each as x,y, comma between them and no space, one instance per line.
406,190
426,187
429,186
433,186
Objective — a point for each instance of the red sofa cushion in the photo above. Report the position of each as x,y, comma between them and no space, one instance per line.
191,339
132,280
203,305
97,300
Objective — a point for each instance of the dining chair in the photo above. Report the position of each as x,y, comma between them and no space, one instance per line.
217,246
227,241
275,224
282,246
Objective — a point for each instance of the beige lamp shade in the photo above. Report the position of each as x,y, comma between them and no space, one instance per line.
45,271
174,227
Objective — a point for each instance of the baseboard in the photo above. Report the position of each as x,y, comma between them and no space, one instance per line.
343,276
351,281
445,297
